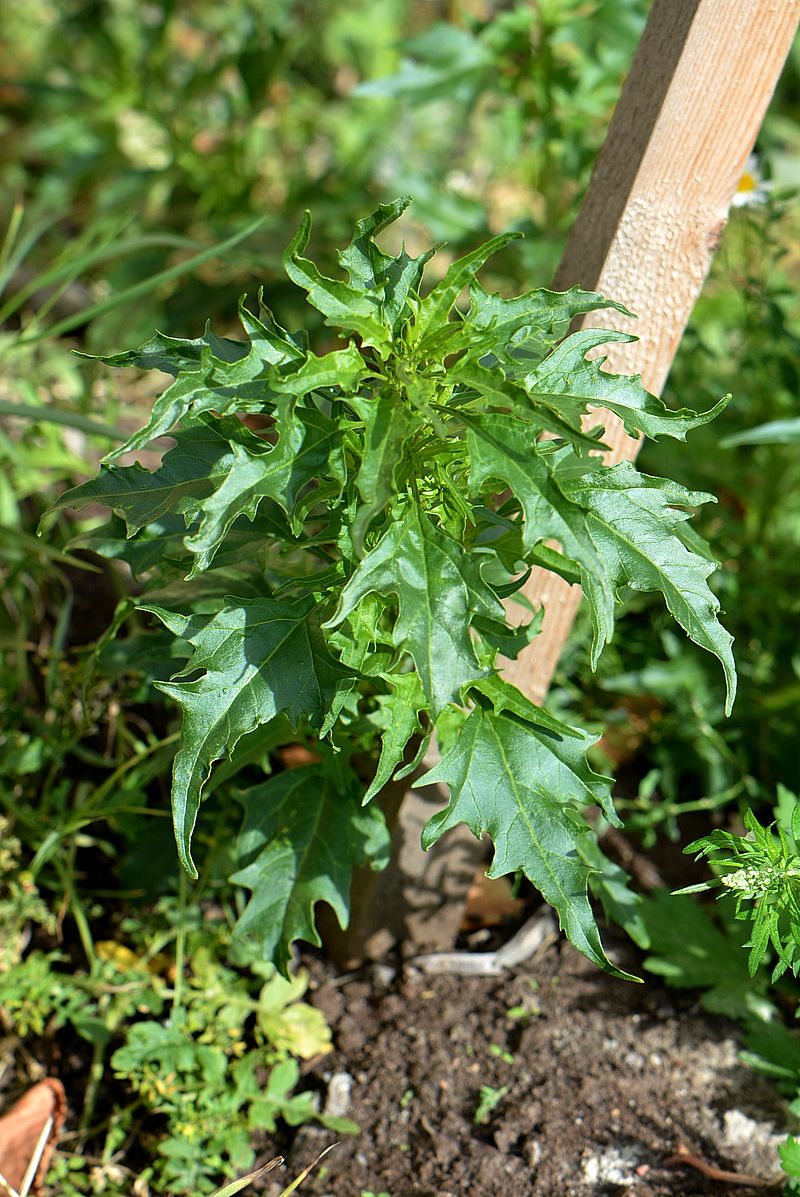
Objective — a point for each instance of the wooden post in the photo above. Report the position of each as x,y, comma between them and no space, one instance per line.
687,119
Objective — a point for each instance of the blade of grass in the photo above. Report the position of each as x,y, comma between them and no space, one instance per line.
236,1186
17,245
143,287
53,415
298,1180
7,248
76,260
70,262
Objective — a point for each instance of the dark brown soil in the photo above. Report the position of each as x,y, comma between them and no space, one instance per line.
602,1082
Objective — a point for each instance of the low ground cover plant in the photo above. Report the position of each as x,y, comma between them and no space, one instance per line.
329,542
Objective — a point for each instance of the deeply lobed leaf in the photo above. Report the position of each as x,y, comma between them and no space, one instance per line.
260,658
300,839
524,784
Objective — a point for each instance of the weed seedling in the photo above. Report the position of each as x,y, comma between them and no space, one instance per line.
488,1099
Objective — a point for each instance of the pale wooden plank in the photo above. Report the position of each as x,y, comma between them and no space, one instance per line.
658,201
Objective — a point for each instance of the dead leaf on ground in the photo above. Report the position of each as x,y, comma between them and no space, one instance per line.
21,1129
490,902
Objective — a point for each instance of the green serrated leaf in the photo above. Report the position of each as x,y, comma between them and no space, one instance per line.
439,590
517,781
433,311
173,355
505,697
362,259
259,658
567,381
218,386
596,789
202,455
301,838
504,449
393,279
345,307
531,324
631,522
342,368
492,386
271,342
309,445
388,425
160,543
609,884
789,1153
400,711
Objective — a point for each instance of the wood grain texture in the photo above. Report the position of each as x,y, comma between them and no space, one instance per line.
657,204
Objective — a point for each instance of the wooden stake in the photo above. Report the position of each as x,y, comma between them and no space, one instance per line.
687,118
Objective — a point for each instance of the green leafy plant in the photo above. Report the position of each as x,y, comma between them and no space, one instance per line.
761,870
196,1063
488,1100
330,540
696,946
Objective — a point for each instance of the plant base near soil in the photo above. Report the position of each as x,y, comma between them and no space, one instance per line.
605,1081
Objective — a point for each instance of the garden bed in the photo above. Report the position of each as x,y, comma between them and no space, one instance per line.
599,1084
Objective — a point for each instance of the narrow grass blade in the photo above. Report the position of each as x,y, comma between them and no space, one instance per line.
298,1180
143,287
236,1186
53,415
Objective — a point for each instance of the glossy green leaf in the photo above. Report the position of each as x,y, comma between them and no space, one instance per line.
498,391
526,326
218,387
301,839
567,381
343,306
388,425
308,444
505,450
173,355
631,521
271,342
400,711
434,309
203,456
258,658
394,279
522,784
439,591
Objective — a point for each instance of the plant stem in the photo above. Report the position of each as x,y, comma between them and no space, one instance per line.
180,945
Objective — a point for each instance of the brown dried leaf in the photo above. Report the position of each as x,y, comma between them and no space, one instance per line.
21,1129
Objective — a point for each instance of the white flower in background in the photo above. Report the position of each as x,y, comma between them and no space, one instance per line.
752,188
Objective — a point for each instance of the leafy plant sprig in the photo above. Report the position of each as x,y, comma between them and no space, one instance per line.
761,870
330,541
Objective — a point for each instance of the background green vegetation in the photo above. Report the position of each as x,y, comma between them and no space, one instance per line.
133,137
